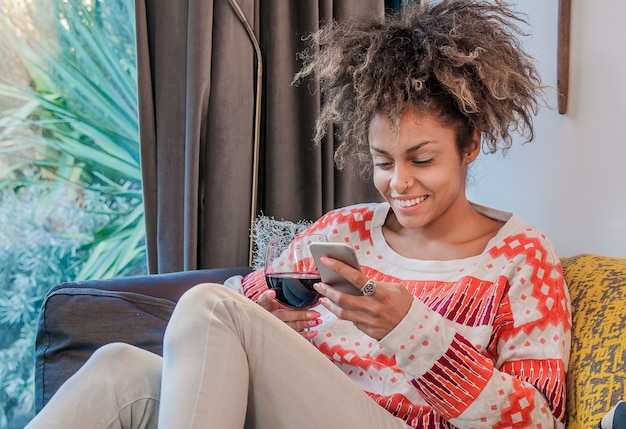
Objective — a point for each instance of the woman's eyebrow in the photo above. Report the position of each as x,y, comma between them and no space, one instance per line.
409,150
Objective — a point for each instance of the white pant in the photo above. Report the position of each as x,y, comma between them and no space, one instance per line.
227,363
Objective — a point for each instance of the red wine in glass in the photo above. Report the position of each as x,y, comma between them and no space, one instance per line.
294,289
291,271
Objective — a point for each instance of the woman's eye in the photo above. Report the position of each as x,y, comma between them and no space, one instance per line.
423,161
383,164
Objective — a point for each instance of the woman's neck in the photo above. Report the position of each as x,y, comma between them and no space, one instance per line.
461,236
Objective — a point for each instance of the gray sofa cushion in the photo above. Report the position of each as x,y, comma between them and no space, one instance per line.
75,322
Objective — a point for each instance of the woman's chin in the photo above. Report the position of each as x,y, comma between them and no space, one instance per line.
408,219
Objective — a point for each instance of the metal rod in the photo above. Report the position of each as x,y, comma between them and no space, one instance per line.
257,124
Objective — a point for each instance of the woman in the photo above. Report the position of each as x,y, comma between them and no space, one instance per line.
466,318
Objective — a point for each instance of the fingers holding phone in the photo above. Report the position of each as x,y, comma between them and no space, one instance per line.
336,275
379,313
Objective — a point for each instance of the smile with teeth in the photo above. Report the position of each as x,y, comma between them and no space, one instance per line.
410,203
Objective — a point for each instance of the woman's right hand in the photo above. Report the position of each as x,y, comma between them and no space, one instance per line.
299,320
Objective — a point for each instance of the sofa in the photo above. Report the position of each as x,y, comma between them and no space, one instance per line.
78,317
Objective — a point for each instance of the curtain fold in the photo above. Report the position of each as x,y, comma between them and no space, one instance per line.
196,83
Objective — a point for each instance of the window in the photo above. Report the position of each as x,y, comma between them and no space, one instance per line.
71,206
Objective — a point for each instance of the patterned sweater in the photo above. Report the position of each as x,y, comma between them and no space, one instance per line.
485,343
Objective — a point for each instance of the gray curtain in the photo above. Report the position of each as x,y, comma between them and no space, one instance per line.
197,73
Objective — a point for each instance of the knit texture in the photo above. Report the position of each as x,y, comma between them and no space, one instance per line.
266,228
485,343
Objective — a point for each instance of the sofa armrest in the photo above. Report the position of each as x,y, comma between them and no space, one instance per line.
168,286
77,318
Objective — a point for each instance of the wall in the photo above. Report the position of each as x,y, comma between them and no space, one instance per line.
570,181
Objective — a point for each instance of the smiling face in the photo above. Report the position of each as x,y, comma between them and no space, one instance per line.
419,170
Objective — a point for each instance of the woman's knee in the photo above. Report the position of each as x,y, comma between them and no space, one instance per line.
200,298
193,310
124,362
203,293
118,354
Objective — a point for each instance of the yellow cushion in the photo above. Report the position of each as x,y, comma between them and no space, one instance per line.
597,369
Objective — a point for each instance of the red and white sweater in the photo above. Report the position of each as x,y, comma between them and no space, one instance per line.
485,343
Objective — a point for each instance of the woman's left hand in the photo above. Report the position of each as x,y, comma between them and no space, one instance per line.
299,320
376,314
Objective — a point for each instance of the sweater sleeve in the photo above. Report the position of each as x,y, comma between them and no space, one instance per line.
519,379
253,284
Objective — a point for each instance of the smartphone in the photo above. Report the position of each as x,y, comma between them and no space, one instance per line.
342,252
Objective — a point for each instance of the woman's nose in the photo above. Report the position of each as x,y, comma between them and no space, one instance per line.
400,181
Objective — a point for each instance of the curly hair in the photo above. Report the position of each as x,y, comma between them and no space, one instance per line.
459,59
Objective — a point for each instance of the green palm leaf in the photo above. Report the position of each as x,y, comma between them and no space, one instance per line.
73,129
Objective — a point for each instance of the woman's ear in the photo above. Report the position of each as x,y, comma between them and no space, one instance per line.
473,149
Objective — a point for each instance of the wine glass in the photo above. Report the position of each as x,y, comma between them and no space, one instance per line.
291,271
